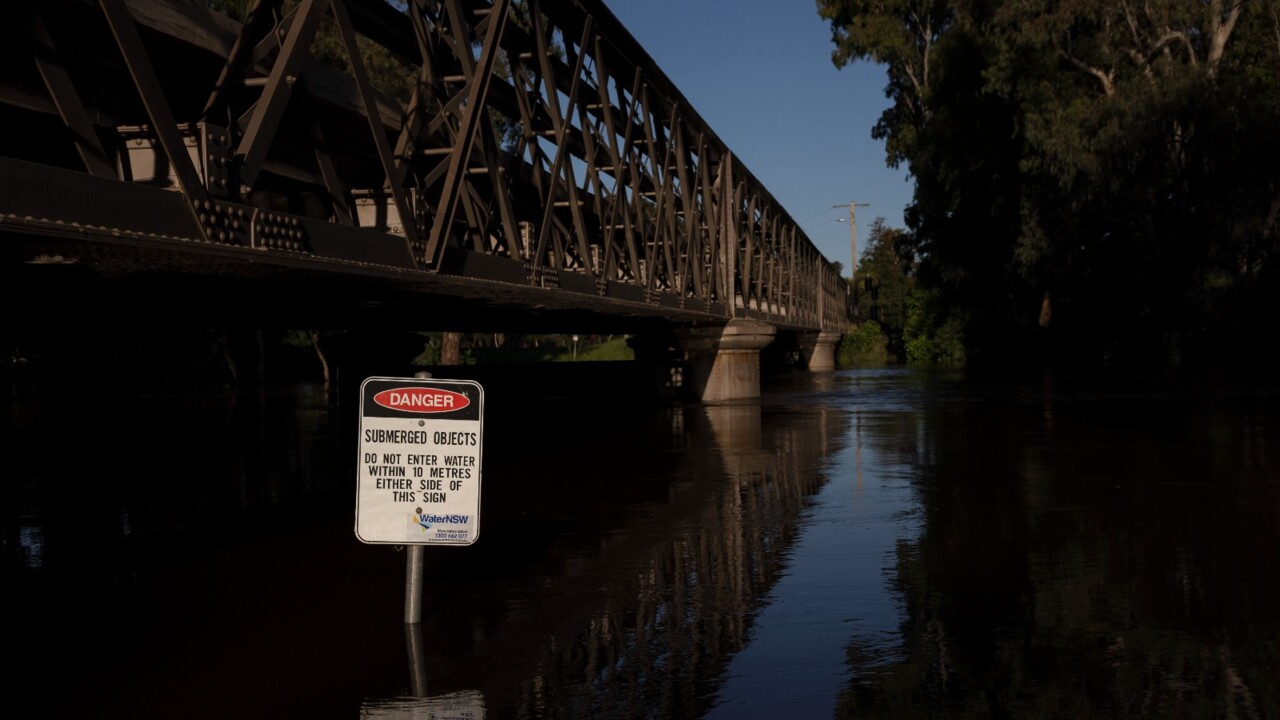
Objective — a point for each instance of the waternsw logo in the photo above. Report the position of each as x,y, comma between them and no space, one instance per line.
426,520
421,400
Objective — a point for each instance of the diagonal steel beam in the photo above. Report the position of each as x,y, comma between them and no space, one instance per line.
710,219
730,204
629,216
152,95
613,211
324,161
477,93
273,43
423,92
266,116
491,156
561,167
63,91
376,127
257,26
692,248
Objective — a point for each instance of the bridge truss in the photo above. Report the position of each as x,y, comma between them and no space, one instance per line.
512,152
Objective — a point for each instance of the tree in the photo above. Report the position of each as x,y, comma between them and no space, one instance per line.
1091,151
902,35
883,282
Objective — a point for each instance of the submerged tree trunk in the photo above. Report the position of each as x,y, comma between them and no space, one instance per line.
451,348
224,344
324,362
262,357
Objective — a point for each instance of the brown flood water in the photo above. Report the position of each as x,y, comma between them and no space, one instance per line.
885,543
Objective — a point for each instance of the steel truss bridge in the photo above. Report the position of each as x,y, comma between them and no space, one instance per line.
522,158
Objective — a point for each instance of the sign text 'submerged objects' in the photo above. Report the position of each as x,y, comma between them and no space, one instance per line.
418,472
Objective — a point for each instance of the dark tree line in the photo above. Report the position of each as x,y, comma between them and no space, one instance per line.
1097,181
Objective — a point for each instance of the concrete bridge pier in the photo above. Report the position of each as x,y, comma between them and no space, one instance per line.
818,349
722,363
716,364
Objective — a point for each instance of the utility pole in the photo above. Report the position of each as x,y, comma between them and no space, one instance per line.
853,235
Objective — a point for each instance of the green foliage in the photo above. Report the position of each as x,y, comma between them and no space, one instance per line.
899,34
932,336
431,347
237,10
615,349
1091,150
883,280
300,339
430,354
387,72
546,348
865,343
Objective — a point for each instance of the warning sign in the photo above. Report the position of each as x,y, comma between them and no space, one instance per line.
418,481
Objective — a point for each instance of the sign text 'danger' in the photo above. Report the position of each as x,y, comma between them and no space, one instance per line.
421,400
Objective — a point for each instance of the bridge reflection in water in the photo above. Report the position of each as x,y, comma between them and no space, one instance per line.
623,556
642,619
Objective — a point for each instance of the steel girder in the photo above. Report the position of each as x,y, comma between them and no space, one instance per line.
539,146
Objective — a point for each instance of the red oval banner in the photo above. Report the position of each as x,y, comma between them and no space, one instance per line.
421,400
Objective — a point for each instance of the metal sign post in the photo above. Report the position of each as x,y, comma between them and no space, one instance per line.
418,478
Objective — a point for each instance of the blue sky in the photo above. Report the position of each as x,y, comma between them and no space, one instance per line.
760,73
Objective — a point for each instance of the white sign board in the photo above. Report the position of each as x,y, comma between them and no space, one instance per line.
419,461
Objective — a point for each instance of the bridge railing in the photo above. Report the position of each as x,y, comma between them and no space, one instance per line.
534,142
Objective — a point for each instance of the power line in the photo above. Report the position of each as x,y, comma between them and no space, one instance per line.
818,215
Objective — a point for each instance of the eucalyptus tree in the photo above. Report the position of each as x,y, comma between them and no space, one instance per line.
1117,157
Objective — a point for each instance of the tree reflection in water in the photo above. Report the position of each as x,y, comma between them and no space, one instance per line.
1087,550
